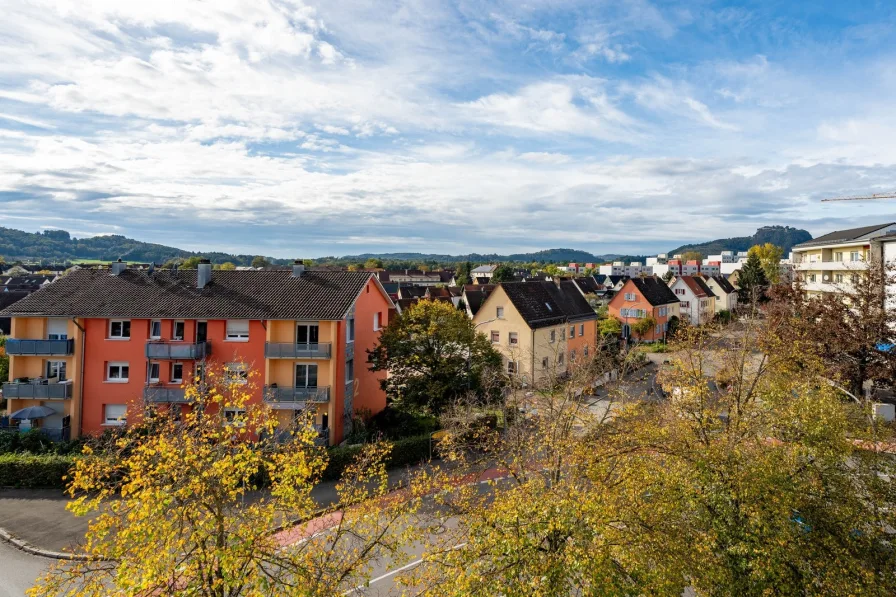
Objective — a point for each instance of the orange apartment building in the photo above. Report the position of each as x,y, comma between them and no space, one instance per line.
96,344
645,297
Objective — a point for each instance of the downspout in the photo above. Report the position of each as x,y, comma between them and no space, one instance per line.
81,378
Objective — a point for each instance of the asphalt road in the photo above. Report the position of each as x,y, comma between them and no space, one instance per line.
19,570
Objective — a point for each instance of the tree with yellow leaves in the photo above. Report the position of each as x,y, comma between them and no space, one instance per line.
179,510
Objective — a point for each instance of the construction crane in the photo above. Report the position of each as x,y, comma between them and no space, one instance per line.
864,198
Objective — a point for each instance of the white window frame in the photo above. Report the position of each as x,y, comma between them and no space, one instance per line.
376,321
495,337
513,338
54,335
158,368
183,333
117,417
349,370
58,366
122,323
560,358
499,313
120,366
545,363
630,296
236,373
572,331
234,331
350,329
176,379
581,330
512,369
553,336
155,324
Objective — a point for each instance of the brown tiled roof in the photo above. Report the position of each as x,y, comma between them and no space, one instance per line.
235,294
697,286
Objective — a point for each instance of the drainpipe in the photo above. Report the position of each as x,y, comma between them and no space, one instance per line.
81,379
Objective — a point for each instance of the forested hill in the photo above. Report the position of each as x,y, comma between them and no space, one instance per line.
545,256
782,236
59,245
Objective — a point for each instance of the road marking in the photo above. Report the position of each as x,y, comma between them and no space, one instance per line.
396,571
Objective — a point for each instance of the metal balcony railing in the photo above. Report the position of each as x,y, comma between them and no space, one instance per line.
163,395
161,351
276,395
18,347
286,350
38,391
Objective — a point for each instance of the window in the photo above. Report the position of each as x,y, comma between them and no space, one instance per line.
376,321
177,332
496,337
572,356
811,277
119,328
350,329
307,333
511,368
115,414
117,372
349,370
237,373
679,291
56,370
838,278
560,359
581,329
855,256
177,373
629,296
234,415
553,336
57,329
685,304
544,363
659,329
514,338
155,329
499,313
306,376
238,330
838,255
572,331
585,350
153,372
854,279
663,311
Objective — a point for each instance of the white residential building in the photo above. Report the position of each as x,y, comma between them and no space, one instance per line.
696,301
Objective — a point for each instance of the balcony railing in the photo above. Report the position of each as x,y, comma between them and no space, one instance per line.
38,391
177,350
831,265
276,395
18,347
286,350
162,395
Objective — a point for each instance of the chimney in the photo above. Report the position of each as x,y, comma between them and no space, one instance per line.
118,268
298,268
203,273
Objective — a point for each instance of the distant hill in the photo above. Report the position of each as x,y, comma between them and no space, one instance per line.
59,245
545,256
782,236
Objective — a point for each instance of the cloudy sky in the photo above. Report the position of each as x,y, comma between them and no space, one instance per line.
291,127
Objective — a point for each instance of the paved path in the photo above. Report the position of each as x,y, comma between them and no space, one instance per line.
19,570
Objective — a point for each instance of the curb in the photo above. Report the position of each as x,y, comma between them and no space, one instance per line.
44,553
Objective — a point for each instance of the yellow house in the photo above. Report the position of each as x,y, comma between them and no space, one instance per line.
827,263
539,327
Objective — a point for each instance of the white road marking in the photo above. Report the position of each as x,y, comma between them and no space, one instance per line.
394,572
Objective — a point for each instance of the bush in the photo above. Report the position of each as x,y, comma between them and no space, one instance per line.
405,452
32,471
392,423
33,441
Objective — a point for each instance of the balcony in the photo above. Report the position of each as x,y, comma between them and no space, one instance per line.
178,351
837,266
296,397
286,350
17,347
38,391
163,395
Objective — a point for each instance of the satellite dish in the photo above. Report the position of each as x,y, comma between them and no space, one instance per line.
826,278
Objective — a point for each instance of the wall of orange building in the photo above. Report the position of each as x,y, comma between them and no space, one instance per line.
368,393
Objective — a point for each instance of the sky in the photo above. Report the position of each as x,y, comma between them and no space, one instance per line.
298,128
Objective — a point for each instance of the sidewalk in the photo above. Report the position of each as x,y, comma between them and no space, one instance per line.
39,517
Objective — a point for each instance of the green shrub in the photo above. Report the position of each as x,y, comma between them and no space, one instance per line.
405,452
34,470
392,423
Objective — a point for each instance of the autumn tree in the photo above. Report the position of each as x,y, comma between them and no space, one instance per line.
643,326
502,273
227,266
4,360
770,257
691,256
433,354
177,509
373,263
462,273
258,261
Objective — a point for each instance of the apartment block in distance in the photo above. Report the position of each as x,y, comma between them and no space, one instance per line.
827,263
96,344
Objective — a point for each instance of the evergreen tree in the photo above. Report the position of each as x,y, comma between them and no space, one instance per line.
752,281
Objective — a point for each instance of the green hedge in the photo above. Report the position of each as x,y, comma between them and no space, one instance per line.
33,471
405,452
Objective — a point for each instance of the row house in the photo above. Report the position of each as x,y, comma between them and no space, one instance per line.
828,263
98,344
697,302
645,297
540,328
415,277
726,293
